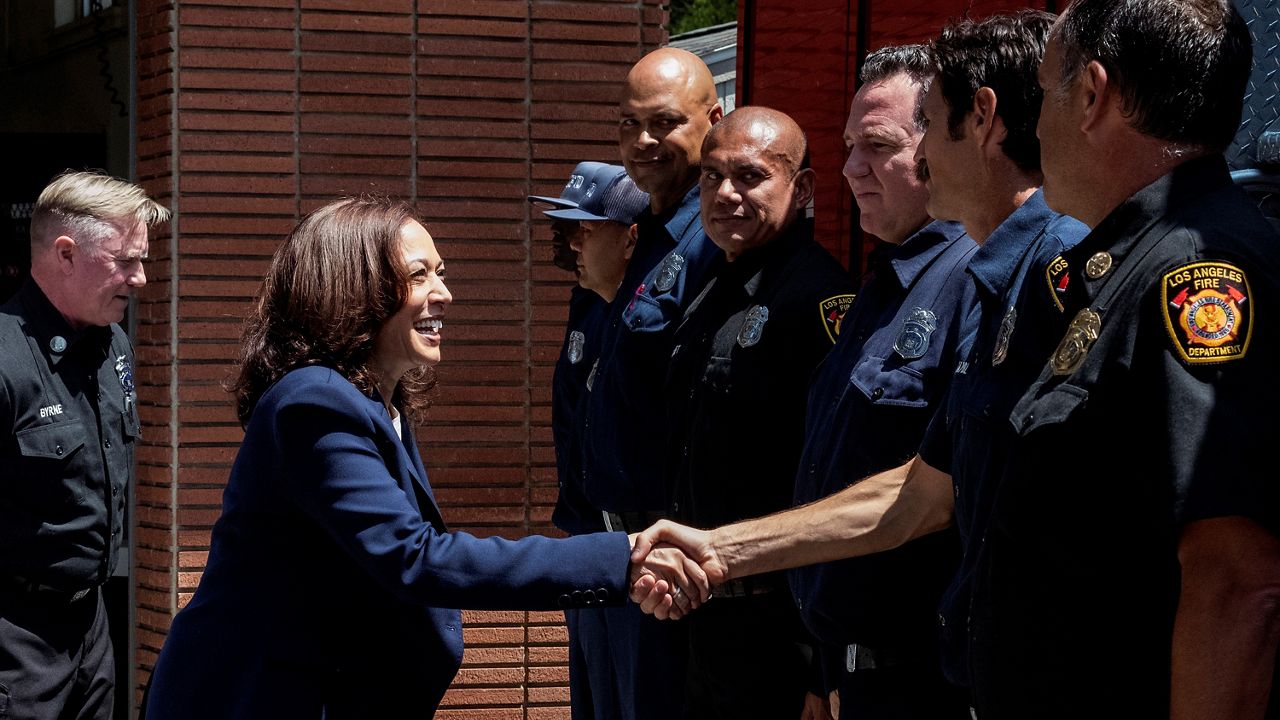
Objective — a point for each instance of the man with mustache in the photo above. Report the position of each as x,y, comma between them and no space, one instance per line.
735,391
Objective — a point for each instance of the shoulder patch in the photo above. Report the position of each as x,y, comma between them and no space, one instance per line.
1058,275
832,311
1208,311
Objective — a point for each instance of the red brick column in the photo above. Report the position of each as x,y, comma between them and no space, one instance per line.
253,112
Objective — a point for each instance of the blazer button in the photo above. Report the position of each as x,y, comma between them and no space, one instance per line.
589,597
563,601
576,597
602,595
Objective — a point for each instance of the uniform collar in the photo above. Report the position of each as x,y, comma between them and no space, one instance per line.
915,254
1124,226
684,214
749,269
996,260
45,325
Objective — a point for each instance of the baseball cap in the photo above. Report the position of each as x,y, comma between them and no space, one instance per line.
597,191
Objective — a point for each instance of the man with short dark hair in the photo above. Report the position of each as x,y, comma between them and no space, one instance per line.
869,404
735,394
1180,564
68,431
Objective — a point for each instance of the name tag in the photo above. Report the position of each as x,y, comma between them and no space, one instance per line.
49,411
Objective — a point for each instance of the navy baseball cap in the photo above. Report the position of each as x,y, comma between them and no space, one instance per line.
597,191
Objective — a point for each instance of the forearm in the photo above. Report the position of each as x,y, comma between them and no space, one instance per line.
873,515
1228,622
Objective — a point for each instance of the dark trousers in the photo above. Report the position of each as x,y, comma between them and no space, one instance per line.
593,679
909,691
646,656
56,661
747,659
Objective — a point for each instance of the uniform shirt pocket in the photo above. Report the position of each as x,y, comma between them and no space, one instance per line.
56,441
885,384
1051,408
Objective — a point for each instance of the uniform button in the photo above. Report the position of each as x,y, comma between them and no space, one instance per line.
675,508
57,450
942,622
107,444
877,393
986,411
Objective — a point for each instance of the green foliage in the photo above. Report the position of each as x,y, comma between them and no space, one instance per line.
689,15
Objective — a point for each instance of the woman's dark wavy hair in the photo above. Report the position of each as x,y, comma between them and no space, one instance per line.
331,286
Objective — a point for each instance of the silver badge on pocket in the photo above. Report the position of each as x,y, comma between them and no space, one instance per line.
1001,350
668,272
753,326
576,341
913,340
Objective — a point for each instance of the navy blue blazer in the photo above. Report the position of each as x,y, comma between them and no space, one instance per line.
332,583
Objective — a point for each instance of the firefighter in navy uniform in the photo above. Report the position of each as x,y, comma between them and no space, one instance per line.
668,104
68,429
870,402
594,225
1151,578
735,392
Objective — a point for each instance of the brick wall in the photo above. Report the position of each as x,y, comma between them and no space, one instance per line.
253,112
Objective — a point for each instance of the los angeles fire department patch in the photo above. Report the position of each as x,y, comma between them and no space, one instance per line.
1058,275
1208,311
832,311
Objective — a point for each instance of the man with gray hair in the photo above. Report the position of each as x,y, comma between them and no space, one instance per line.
68,429
870,402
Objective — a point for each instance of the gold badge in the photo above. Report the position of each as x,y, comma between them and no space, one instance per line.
832,311
1207,311
1098,265
1075,344
1058,275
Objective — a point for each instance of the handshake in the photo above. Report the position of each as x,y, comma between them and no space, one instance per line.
674,569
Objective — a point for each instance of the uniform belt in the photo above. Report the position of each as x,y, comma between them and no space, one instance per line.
24,586
629,522
746,587
860,657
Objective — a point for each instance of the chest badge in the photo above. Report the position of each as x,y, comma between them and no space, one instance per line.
913,340
668,272
1058,276
124,371
1075,345
1001,350
58,343
576,341
1098,265
1207,312
753,326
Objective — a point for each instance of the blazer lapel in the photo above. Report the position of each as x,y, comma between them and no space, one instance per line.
409,446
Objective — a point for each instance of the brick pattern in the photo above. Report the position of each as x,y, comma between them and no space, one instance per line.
253,112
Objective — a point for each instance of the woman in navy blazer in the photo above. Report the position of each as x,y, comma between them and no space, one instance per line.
332,583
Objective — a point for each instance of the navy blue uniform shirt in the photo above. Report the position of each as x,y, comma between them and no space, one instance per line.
625,424
868,408
1168,417
739,375
68,429
578,355
970,437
